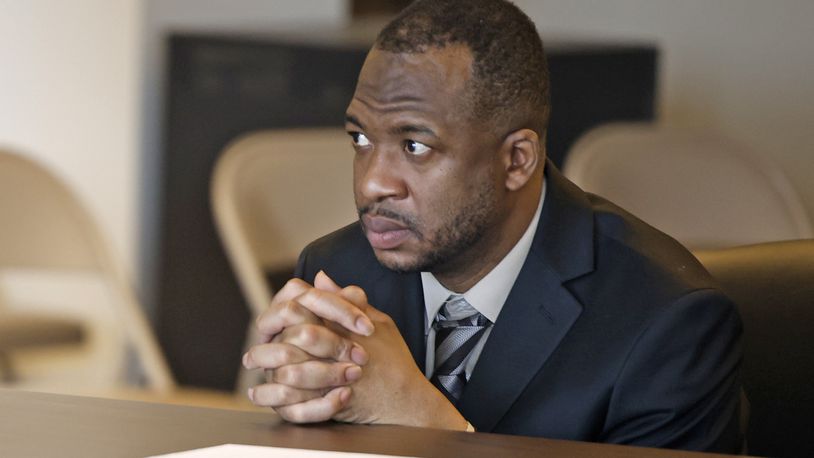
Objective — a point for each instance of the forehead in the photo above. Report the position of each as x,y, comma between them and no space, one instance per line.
433,80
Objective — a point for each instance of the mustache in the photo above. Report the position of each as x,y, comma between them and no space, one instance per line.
374,210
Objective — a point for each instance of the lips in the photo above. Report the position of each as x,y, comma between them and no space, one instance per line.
384,233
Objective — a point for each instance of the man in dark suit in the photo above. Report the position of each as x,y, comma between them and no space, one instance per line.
480,288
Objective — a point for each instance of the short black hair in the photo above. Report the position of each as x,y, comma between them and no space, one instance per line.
510,87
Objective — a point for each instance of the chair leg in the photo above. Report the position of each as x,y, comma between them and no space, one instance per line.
7,374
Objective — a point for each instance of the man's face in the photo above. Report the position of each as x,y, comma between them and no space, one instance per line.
426,179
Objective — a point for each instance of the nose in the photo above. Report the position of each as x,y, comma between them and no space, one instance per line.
377,177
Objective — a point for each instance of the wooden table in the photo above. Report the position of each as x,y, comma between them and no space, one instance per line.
51,425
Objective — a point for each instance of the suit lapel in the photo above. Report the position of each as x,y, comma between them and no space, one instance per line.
539,310
537,315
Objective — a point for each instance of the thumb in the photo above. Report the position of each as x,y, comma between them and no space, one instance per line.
324,282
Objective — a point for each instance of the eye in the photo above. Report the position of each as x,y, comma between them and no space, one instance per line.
415,148
359,139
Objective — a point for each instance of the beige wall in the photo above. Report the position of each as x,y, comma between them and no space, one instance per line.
740,66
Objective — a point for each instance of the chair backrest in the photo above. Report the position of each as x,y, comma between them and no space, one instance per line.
44,226
275,191
773,285
701,188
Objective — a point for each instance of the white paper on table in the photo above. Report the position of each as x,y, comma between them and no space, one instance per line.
257,451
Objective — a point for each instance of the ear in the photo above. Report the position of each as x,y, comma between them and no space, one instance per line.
522,155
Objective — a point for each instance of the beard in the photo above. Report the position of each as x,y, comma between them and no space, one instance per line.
461,229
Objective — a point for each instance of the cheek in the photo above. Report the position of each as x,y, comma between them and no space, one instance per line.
437,200
471,190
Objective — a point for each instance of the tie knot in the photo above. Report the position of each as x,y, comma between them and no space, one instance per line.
456,311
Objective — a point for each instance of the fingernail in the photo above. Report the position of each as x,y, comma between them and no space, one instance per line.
353,373
364,326
246,362
344,395
250,392
358,355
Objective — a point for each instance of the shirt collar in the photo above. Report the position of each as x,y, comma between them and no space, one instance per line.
489,294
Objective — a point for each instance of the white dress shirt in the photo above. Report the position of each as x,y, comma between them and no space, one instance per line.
487,296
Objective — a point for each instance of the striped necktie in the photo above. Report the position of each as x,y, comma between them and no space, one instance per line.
458,328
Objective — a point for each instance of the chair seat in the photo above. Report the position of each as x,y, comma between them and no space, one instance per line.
27,330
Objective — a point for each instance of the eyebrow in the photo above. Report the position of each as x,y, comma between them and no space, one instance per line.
352,120
413,129
398,130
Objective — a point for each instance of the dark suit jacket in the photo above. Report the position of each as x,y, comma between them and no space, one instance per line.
613,332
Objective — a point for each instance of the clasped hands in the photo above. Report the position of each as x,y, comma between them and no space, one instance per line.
328,354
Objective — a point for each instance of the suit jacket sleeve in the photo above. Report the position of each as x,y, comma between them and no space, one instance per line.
679,385
300,271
